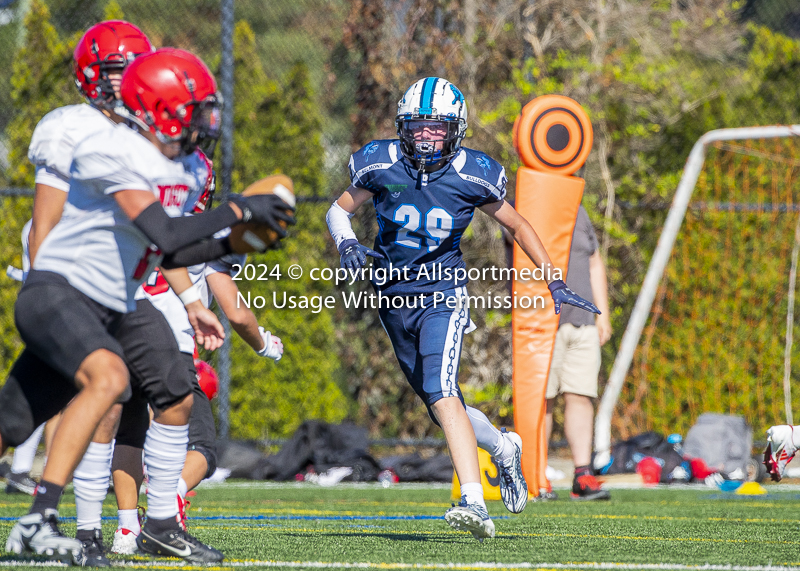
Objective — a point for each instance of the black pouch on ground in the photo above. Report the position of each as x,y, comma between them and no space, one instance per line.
626,455
322,446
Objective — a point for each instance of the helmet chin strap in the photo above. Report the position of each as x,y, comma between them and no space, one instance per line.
425,148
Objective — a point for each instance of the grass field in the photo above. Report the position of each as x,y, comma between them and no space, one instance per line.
263,526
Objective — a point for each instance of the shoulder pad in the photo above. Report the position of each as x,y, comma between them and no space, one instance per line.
479,168
372,157
59,132
112,151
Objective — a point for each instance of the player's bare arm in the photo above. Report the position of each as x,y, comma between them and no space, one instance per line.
243,321
48,204
529,241
352,198
522,232
208,331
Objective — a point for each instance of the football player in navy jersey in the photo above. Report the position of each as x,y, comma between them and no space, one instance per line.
425,188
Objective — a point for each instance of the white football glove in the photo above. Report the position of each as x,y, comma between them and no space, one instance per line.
273,348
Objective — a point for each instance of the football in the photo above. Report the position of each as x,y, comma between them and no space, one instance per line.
250,237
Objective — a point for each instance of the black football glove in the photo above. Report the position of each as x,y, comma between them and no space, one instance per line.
266,209
562,294
354,255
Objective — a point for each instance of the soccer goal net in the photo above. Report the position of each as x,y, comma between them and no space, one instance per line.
713,328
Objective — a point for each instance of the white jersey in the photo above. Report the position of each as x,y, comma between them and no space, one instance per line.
95,246
167,301
55,138
52,146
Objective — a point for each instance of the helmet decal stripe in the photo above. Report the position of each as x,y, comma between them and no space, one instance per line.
426,101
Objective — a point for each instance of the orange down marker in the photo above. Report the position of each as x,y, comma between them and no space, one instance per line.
553,137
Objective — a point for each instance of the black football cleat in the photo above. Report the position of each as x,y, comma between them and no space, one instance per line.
94,552
165,538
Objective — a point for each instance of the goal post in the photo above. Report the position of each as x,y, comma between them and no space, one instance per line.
655,272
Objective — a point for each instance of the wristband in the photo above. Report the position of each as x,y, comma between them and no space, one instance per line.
190,295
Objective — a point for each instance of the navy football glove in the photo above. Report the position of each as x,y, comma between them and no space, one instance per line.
354,255
562,294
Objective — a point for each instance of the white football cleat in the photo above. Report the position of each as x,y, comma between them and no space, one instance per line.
780,450
513,488
472,518
124,542
39,534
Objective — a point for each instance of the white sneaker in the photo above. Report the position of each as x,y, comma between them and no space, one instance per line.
780,450
124,542
513,488
39,534
472,518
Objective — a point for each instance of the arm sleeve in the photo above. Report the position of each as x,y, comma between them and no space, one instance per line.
173,234
338,220
197,253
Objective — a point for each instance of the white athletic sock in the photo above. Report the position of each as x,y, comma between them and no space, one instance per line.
90,481
183,489
489,438
473,493
26,452
129,519
164,456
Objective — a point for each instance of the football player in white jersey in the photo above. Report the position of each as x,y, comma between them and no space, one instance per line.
99,59
77,312
212,279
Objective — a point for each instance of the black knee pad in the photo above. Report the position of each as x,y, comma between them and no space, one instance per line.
210,454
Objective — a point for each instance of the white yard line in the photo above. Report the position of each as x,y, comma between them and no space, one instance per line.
453,566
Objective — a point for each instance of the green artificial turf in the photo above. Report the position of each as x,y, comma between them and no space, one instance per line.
369,527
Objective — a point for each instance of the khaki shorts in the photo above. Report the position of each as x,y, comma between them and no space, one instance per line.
576,361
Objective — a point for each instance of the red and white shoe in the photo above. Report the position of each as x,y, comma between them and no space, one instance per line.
780,450
124,542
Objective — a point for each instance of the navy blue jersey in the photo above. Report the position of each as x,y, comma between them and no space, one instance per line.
421,218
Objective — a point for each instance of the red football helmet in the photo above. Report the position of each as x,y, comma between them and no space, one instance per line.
208,379
106,48
171,93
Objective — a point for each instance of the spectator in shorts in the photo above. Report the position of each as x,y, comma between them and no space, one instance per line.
576,356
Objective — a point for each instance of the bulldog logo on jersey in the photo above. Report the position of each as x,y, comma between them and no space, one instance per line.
371,148
173,195
484,163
